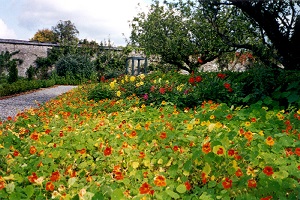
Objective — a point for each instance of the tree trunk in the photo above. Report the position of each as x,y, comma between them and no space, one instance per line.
287,48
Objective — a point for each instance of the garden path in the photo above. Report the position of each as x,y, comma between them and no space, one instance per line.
11,106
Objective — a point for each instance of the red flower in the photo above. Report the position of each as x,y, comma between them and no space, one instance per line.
34,136
49,186
203,176
297,151
145,188
227,183
229,117
230,152
239,173
188,186
32,150
191,80
227,85
160,181
175,148
252,183
221,76
206,148
220,151
107,151
81,151
55,176
16,153
163,135
142,155
162,90
289,152
200,60
32,178
119,176
298,167
266,198
2,185
268,170
198,79
253,119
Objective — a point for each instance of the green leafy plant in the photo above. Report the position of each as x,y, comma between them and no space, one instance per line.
73,147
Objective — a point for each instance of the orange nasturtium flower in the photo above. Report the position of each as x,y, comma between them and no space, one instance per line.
34,136
188,186
163,135
55,176
268,170
270,141
252,183
249,135
206,148
16,153
49,186
266,198
203,176
227,183
32,150
297,151
142,155
160,181
2,185
32,178
239,173
107,151
146,189
81,151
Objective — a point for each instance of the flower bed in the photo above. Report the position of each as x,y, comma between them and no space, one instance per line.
72,147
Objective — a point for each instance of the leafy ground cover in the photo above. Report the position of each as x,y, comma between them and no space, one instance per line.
126,148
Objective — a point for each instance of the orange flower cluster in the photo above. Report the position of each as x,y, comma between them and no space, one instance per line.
49,186
107,151
252,183
32,150
206,148
227,184
239,173
55,176
160,181
146,189
117,173
270,141
32,178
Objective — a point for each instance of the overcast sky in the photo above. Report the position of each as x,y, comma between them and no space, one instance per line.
95,19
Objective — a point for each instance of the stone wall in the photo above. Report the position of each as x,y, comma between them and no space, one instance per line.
29,51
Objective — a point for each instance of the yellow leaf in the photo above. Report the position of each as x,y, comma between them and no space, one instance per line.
235,165
135,165
211,127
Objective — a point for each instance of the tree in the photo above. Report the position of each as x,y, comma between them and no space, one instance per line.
65,32
10,64
179,34
44,35
277,22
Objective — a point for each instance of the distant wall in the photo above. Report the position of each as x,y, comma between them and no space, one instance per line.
29,51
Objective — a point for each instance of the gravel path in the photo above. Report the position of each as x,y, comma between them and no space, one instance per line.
12,106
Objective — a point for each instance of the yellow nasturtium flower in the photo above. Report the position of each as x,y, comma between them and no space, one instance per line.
112,85
118,93
132,78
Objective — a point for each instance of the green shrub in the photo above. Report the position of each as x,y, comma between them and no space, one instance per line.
101,91
76,65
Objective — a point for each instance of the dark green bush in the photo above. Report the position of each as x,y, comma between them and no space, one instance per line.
76,65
